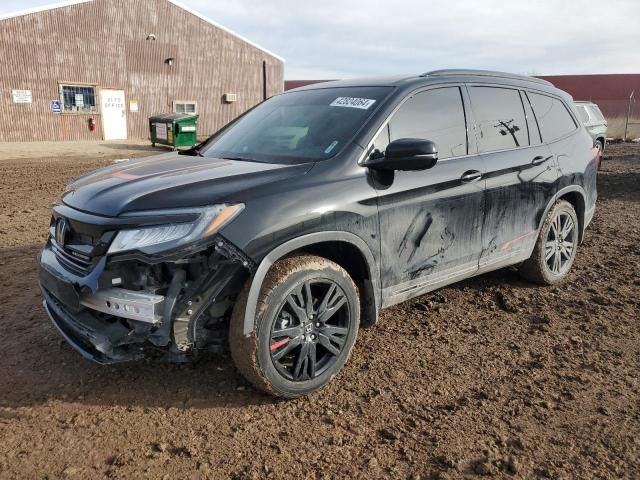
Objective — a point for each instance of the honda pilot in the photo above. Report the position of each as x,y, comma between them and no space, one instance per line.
291,227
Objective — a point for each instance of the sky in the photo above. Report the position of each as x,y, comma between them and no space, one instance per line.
330,39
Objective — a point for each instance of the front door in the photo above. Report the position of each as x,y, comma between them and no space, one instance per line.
114,114
430,220
520,173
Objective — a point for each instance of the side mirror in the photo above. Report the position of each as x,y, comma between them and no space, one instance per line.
406,154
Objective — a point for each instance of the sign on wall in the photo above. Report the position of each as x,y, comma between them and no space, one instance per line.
133,105
22,96
56,106
161,130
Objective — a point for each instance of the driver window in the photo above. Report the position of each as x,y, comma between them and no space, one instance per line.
436,115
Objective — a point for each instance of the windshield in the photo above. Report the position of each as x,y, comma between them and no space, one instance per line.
298,127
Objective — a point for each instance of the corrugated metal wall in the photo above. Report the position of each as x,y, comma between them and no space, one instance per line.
610,92
104,43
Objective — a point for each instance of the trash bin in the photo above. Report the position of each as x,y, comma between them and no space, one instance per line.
174,130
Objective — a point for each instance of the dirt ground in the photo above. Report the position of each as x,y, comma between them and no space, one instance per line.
490,377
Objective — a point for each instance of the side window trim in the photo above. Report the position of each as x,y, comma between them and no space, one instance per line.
533,112
526,119
470,121
386,123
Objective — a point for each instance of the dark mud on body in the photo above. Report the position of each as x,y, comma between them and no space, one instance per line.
490,377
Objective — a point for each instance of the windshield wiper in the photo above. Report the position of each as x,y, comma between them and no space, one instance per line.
193,151
242,159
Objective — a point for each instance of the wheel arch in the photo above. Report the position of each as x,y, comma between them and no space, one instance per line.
336,246
575,195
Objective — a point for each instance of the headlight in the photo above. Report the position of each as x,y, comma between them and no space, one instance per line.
162,237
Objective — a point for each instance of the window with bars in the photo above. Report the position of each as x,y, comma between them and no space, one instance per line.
78,99
184,106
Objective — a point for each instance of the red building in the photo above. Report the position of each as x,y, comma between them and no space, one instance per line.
611,93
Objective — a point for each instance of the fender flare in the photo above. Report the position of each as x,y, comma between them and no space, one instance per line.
295,244
557,196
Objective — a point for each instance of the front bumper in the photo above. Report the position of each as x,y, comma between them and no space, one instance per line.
89,336
195,291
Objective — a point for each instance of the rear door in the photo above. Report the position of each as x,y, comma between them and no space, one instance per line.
576,157
430,220
520,173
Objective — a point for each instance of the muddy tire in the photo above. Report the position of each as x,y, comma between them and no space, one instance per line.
600,144
555,248
306,323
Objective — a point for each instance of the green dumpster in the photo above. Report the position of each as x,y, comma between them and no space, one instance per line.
173,129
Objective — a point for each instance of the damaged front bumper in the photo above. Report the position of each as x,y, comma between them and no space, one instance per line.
134,306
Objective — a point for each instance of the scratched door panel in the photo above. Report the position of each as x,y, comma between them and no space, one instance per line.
517,193
431,222
520,172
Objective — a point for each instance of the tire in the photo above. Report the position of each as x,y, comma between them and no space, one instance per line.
600,144
541,267
318,340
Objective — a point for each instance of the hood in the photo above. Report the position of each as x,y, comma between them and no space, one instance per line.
171,181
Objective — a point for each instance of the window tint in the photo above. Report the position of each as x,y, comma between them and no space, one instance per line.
436,115
553,117
582,112
500,118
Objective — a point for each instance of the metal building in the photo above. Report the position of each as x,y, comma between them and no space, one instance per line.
97,69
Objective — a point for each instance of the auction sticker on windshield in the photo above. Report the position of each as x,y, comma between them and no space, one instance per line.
362,103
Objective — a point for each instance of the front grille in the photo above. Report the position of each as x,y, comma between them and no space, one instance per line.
74,262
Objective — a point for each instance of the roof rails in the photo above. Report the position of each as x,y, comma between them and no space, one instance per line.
483,73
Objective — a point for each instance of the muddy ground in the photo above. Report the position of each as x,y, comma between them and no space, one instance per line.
490,377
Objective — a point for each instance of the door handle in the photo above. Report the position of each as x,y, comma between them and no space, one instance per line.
471,176
540,159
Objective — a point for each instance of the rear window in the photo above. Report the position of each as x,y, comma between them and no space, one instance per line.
582,112
595,111
500,118
554,119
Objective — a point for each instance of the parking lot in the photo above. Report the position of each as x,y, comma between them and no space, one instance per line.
492,376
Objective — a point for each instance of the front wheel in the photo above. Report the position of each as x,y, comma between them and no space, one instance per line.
555,248
306,324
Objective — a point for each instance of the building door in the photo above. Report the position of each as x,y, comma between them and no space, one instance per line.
114,114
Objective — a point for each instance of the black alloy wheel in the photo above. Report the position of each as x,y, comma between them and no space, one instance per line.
310,330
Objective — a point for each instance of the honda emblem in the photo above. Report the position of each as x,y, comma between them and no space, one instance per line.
61,231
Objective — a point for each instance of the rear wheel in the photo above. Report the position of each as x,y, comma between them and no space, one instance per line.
600,145
556,247
306,324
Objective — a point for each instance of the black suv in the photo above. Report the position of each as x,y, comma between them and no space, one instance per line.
295,224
